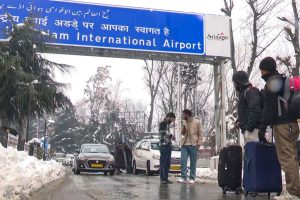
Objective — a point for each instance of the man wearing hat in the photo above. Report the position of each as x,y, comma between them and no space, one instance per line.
285,127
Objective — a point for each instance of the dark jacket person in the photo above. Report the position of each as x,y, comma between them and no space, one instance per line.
119,157
165,148
249,106
285,128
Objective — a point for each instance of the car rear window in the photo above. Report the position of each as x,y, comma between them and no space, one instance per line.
94,149
155,146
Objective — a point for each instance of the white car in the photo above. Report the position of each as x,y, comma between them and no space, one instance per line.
69,159
146,157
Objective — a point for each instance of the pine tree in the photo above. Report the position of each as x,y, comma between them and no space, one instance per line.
27,83
67,132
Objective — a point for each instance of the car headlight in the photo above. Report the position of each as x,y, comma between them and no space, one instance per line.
156,157
110,159
81,157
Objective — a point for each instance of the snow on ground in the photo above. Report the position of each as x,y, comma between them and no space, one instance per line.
21,174
207,173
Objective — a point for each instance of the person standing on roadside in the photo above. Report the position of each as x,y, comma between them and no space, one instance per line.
191,141
285,127
165,148
249,106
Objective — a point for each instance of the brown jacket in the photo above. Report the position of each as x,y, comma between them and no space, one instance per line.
194,132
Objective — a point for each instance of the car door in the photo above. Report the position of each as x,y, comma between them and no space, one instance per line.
138,156
143,155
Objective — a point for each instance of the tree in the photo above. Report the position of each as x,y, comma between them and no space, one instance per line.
154,71
294,38
27,83
67,132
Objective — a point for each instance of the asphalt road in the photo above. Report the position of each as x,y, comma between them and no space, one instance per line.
123,187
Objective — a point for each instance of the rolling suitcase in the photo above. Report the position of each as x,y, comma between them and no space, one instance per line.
230,169
262,171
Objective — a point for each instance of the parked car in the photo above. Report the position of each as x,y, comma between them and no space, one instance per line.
59,157
146,157
69,159
94,158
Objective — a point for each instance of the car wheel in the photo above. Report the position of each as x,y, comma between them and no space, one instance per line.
77,172
112,173
105,173
135,171
148,171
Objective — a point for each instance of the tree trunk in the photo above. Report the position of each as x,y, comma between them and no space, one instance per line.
150,118
22,134
297,42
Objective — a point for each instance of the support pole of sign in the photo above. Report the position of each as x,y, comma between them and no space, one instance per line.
217,108
220,118
223,105
179,106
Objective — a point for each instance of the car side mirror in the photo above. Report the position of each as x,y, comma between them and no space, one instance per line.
112,153
77,152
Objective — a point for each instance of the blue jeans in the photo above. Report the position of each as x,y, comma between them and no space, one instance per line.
165,161
188,151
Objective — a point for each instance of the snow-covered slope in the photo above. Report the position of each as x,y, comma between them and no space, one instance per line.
21,174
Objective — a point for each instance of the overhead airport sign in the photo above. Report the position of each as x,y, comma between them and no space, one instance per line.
110,27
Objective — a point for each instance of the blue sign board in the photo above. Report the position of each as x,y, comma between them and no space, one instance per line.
101,26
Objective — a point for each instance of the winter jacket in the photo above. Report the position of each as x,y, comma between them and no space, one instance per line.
249,103
249,108
164,133
119,157
270,115
193,134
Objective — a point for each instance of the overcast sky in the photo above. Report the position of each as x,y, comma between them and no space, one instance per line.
128,70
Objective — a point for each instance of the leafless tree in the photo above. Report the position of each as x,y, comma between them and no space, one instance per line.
229,5
293,37
154,71
167,90
260,16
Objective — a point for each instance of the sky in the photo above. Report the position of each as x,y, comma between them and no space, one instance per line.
129,71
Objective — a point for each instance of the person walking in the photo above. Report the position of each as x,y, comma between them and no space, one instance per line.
191,141
285,127
165,148
249,106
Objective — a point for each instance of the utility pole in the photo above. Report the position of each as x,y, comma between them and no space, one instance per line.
179,105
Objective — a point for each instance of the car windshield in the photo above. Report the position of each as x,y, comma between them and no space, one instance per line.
94,149
155,146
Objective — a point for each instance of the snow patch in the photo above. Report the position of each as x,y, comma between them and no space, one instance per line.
21,174
207,173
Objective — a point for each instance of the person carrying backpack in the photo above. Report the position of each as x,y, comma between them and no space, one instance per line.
285,126
249,106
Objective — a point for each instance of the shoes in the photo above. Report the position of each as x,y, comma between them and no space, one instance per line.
286,196
164,182
191,181
181,180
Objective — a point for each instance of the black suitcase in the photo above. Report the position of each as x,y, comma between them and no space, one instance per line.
230,169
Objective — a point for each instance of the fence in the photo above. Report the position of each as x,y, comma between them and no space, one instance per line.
10,140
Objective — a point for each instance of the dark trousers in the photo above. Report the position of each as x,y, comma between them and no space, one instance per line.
165,161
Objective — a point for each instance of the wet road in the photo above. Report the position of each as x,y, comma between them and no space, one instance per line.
100,187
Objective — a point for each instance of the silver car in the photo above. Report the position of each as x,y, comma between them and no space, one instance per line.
94,158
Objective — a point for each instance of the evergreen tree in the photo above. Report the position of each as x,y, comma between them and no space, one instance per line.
67,133
27,82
